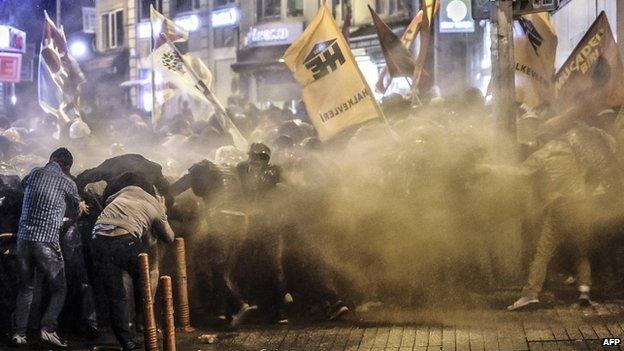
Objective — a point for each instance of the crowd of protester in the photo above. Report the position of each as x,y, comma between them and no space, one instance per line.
433,198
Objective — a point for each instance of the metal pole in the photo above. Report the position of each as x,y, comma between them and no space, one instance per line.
503,65
58,13
619,24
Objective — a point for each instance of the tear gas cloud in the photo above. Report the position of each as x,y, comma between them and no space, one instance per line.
408,217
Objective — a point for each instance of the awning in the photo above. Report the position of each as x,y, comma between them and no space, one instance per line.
260,58
258,65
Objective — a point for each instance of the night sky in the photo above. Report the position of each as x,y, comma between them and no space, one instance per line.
27,15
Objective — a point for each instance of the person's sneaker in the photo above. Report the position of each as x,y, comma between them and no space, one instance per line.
92,332
239,317
523,303
288,299
584,300
52,339
281,318
131,345
19,340
337,310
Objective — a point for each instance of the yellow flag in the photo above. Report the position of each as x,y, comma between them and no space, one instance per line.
535,46
334,90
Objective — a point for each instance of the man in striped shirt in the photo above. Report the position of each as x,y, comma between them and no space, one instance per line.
49,195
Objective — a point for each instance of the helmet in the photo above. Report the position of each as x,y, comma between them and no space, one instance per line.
259,149
79,129
13,134
228,155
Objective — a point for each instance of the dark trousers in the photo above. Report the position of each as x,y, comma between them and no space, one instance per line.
77,276
268,245
113,256
224,256
45,260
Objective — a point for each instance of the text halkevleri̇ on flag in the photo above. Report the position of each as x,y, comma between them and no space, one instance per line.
59,77
594,70
535,47
334,90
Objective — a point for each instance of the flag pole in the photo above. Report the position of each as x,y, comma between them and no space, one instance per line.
152,71
414,93
208,94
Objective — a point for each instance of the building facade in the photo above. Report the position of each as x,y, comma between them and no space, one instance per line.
241,41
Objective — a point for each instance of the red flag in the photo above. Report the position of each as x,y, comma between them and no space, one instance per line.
431,8
593,70
60,76
407,39
399,61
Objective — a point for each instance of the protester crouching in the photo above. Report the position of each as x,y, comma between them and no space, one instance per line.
133,221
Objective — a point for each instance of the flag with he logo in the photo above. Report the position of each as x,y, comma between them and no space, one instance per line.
594,70
535,47
60,76
334,90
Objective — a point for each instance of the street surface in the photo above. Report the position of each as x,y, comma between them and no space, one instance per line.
562,327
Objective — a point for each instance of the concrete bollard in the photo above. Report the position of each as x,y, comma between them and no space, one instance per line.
150,334
169,339
183,300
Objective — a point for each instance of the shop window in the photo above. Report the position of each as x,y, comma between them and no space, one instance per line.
339,8
218,3
145,90
391,7
112,29
179,6
268,10
225,37
144,8
295,8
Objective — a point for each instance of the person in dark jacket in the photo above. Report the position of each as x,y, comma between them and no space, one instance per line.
259,179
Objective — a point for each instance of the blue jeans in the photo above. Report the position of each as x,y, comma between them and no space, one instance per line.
45,260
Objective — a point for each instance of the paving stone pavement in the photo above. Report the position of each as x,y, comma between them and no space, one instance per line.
560,328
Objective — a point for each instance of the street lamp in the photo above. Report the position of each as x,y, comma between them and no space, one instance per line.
78,49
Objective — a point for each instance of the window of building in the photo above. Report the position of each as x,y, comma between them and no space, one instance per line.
144,8
391,7
225,37
295,8
218,3
339,8
112,29
145,89
179,6
268,10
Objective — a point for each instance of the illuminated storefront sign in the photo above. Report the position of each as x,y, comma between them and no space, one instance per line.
225,17
455,16
188,23
12,39
273,34
10,67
